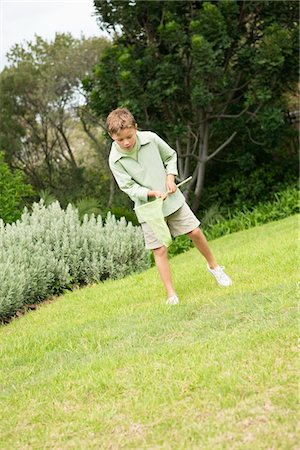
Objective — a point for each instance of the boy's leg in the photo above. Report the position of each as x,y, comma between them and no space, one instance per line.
201,244
184,221
162,264
160,254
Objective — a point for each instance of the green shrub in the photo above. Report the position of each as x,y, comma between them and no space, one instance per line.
286,203
50,249
251,179
13,192
88,205
179,245
120,211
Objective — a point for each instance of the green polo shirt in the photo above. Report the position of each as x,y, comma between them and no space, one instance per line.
155,160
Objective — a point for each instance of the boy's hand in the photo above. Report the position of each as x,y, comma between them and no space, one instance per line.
170,184
157,194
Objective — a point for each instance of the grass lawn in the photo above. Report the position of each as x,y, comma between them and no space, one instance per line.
112,367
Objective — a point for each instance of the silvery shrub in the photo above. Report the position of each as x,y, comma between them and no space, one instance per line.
50,249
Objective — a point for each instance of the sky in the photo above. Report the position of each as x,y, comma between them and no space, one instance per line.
20,20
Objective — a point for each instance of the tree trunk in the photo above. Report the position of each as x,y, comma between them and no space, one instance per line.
71,160
112,186
203,152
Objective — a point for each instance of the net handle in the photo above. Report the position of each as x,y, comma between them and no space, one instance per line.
184,181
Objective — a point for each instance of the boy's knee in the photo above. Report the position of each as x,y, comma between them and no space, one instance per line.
194,233
161,251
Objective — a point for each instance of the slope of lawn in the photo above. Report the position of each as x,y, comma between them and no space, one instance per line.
112,367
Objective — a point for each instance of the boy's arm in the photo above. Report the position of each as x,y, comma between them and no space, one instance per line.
169,158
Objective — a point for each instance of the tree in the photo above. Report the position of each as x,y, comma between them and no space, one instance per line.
41,96
200,73
13,192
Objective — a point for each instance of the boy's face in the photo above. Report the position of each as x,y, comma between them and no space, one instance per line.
125,138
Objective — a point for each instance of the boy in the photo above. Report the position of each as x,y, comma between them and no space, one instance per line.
145,167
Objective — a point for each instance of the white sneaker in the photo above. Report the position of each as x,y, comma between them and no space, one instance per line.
173,300
222,278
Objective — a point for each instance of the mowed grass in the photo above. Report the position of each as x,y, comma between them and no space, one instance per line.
112,367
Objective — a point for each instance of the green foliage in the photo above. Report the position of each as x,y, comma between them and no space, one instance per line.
91,205
180,244
13,192
42,112
119,212
88,205
91,182
211,215
249,186
47,196
51,249
286,203
200,72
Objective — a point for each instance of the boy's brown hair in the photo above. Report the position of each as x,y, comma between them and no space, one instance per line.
119,119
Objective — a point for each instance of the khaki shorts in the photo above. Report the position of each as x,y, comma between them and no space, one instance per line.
182,221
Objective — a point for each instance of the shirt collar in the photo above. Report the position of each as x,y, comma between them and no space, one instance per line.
143,137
